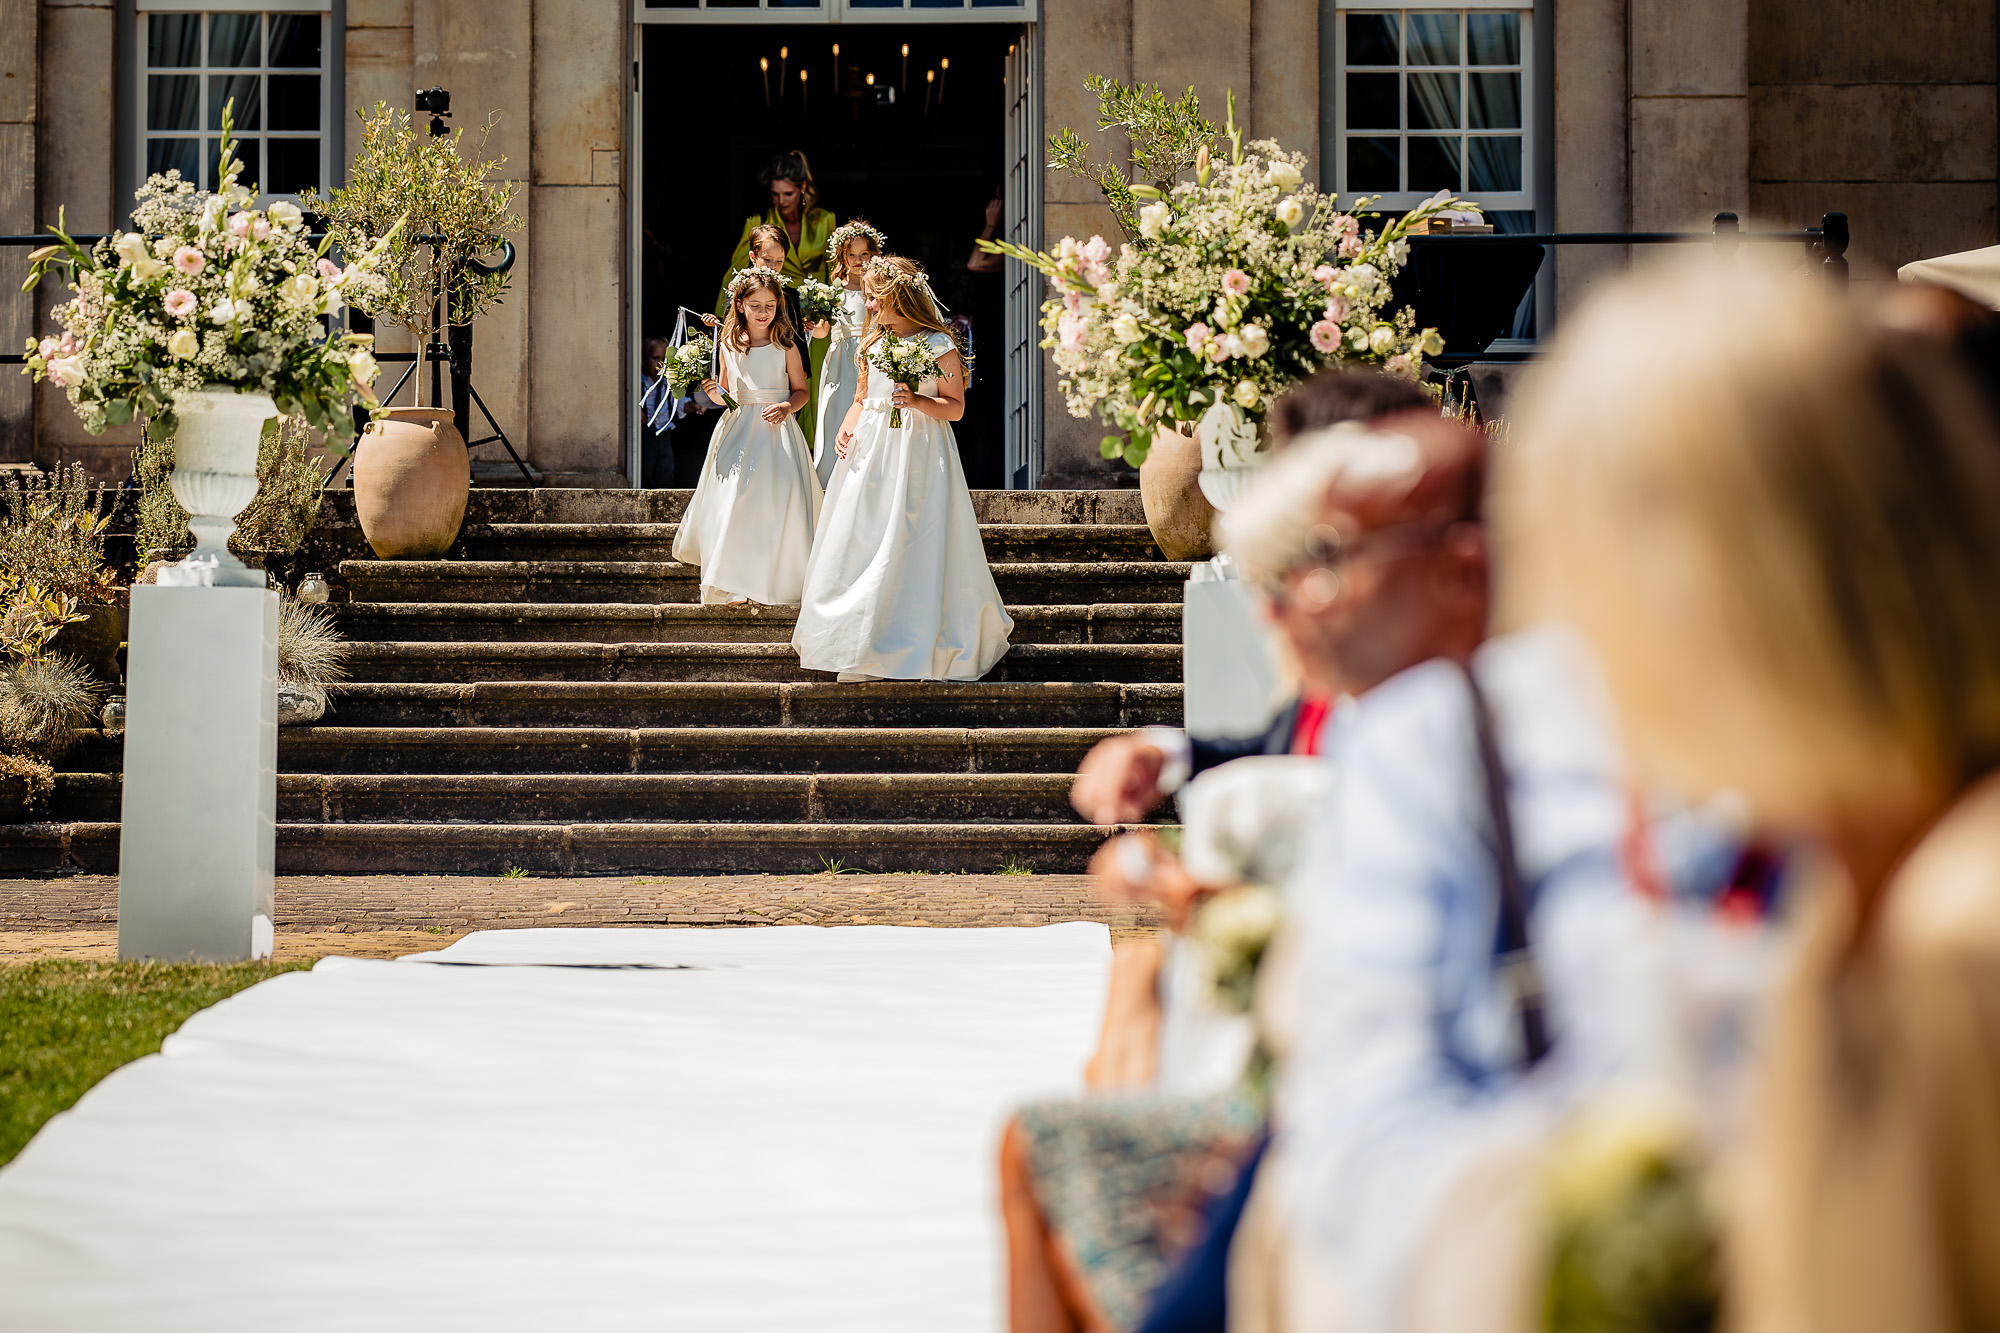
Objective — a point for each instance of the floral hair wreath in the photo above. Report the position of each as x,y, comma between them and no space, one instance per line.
743,275
848,231
886,273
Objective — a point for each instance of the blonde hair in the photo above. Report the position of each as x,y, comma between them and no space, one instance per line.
900,286
736,330
1779,525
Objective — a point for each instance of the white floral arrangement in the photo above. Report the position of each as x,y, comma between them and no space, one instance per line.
1234,929
208,293
819,301
1241,282
907,361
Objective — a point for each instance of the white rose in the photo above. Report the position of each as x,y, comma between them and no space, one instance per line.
1125,329
1232,344
130,247
1153,219
183,343
1290,211
66,370
147,269
222,311
1283,175
1255,341
361,365
1431,344
1357,338
1382,339
298,288
1246,395
285,215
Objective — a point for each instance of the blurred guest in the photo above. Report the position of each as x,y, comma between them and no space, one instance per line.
1779,528
658,411
982,431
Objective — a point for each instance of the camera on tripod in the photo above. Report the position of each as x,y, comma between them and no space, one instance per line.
438,102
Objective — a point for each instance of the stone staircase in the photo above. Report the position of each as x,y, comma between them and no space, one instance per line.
552,698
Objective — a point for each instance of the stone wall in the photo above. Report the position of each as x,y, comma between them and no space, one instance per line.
20,25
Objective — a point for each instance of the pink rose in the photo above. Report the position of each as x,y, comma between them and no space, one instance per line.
1350,246
1071,331
66,371
239,224
180,303
1326,336
261,229
329,270
46,348
1197,335
1236,282
1218,350
1324,273
1346,224
1337,308
1096,251
190,260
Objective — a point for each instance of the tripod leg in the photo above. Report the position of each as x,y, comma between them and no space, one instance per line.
505,443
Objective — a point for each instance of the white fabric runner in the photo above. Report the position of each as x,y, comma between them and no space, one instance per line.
790,1128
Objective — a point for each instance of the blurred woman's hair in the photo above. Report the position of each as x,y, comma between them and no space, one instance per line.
1778,521
792,166
1334,396
736,326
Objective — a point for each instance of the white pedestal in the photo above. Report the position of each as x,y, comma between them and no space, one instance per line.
199,836
1229,664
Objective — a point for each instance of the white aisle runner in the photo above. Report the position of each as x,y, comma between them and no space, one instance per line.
788,1129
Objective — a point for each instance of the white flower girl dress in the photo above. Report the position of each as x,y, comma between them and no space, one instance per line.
899,587
750,523
839,376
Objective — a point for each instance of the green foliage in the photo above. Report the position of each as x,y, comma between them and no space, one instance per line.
1168,137
277,520
65,1024
402,172
513,872
43,700
52,536
30,615
1646,1262
835,866
1012,867
312,652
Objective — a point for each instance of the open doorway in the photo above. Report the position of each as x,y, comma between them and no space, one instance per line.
906,126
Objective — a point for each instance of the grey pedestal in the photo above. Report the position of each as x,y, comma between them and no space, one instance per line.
198,844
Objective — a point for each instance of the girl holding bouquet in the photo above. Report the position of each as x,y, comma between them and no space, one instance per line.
750,524
769,247
899,587
850,248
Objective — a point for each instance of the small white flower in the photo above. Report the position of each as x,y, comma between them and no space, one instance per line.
1382,339
1246,394
1254,340
1283,175
1431,344
183,344
1125,328
1399,252
1290,211
285,215
1232,345
130,247
1153,219
222,311
147,268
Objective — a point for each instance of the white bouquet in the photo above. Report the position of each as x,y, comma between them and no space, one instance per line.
209,292
907,361
690,364
819,301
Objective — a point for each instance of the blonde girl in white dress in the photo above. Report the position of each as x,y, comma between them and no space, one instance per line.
850,248
750,523
899,588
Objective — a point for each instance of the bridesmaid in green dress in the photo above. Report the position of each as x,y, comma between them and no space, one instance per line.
794,207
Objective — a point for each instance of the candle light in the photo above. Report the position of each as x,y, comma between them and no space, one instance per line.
944,76
906,65
784,54
836,66
804,105
871,80
765,66
930,79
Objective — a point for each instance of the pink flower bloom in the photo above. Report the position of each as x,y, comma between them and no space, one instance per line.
1071,331
190,260
1096,251
1073,302
1236,282
180,303
1326,336
1197,335
329,270
1218,351
1350,246
1337,308
1346,224
261,229
1401,364
68,346
239,224
1324,273
66,371
47,348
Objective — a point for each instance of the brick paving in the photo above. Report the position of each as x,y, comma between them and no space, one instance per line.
385,915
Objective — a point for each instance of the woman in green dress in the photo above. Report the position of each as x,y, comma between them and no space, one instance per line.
794,207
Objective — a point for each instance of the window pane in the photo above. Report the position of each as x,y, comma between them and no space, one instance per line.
937,4
1494,39
995,4
1373,164
1433,40
1433,102
1434,164
1371,102
182,155
294,165
1496,101
1496,164
243,93
295,40
173,101
1371,39
173,41
234,40
295,101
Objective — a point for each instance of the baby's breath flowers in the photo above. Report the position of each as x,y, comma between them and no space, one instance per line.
208,292
1240,283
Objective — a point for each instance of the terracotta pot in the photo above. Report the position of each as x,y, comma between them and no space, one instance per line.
1176,510
411,475
93,641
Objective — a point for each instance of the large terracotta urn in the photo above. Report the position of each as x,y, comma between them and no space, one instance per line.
411,476
1170,490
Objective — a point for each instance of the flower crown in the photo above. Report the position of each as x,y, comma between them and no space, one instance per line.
743,275
888,275
848,231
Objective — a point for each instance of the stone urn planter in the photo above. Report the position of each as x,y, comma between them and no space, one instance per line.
215,474
1170,490
411,476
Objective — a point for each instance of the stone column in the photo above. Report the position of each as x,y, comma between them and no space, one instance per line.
1690,119
1281,97
380,68
1590,141
576,277
19,26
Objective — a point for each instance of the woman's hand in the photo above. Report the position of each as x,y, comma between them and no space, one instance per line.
776,412
842,441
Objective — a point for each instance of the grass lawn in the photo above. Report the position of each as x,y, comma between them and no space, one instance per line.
64,1024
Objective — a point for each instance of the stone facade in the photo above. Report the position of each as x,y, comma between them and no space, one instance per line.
1666,111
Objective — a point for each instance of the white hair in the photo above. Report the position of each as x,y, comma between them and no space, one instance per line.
1265,531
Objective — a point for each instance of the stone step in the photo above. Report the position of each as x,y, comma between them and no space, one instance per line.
899,703
440,750
479,660
627,622
602,848
655,541
653,798
653,581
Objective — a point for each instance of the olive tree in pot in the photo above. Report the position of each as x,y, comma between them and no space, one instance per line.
411,472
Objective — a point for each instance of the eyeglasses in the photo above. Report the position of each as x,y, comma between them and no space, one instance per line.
1327,553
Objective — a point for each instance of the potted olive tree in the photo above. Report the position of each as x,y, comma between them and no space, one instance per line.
411,472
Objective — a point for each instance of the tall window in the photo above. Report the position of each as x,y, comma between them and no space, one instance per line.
269,68
1431,99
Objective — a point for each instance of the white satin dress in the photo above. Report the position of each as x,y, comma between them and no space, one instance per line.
839,376
899,588
750,524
